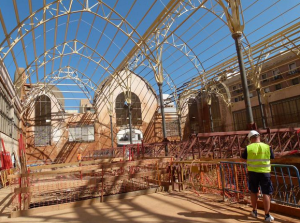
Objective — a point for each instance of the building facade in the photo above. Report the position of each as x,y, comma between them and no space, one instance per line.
279,90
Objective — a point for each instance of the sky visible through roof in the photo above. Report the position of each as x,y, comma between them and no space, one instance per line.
202,33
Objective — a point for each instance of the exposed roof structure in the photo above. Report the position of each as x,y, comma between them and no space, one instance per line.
184,44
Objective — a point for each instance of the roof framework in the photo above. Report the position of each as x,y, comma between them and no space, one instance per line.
185,45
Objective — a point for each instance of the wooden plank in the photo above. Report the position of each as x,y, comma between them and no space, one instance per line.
282,160
91,162
130,176
89,168
286,160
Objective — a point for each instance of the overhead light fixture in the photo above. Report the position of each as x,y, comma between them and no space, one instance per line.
48,120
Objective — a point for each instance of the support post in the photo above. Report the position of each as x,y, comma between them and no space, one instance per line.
179,126
130,124
162,111
263,117
238,44
211,119
223,182
111,132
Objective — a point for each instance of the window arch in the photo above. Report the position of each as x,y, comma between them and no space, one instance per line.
42,136
122,110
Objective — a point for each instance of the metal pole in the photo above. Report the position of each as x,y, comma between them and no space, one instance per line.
210,119
163,116
238,45
111,132
130,125
179,127
263,117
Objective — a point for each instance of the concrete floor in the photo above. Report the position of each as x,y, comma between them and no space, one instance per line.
160,207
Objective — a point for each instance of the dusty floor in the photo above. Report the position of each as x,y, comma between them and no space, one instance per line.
160,207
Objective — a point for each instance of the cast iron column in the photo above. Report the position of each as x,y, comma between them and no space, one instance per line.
130,125
238,45
179,127
111,132
211,119
261,109
162,111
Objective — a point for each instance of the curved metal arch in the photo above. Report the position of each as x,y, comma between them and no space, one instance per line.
76,70
215,89
95,89
74,50
192,57
40,91
179,10
67,12
68,69
167,77
114,76
215,14
25,104
256,69
182,104
186,50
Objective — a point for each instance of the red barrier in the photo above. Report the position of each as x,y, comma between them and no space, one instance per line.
5,158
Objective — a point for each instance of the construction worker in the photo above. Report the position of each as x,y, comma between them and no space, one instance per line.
79,157
258,157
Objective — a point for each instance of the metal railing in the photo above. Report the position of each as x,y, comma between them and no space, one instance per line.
286,183
230,180
234,180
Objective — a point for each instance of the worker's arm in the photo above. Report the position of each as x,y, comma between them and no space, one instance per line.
272,156
244,156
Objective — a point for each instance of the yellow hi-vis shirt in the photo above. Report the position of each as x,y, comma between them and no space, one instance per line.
258,158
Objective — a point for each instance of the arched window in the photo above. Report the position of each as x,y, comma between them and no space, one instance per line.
42,136
122,110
